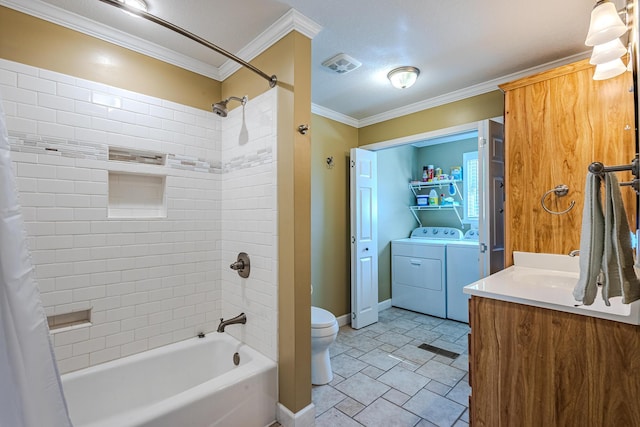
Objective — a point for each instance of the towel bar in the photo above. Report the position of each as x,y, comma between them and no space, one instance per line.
561,190
599,169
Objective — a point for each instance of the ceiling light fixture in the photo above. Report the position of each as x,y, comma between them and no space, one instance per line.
403,77
136,4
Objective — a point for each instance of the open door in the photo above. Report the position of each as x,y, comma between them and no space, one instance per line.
491,187
364,238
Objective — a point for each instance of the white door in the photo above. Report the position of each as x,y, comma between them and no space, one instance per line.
491,188
364,238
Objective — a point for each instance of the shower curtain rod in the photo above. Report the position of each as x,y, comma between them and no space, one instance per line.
272,79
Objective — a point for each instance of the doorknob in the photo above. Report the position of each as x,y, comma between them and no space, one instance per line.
366,249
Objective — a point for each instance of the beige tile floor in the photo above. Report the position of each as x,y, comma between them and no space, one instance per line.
382,378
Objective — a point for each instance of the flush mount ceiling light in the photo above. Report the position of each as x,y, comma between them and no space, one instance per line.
605,24
136,4
403,77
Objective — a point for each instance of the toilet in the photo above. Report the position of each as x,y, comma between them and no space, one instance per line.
324,330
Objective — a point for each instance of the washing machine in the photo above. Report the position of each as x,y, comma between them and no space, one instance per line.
418,270
463,268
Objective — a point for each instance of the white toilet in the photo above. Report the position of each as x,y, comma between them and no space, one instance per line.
324,330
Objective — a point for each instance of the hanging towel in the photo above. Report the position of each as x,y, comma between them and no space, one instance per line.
617,265
30,390
591,242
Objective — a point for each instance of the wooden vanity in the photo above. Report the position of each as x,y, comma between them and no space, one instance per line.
532,366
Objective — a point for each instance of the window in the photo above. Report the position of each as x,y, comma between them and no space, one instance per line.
471,195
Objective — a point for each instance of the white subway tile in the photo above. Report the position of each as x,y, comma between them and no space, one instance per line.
17,124
19,95
72,282
73,363
53,242
54,102
88,346
134,347
55,130
135,106
56,77
8,78
71,337
54,214
120,338
102,356
34,112
72,91
73,119
55,186
106,99
73,200
90,109
36,84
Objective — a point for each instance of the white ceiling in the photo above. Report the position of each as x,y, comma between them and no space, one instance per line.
462,47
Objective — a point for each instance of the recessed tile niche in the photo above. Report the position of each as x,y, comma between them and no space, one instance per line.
136,196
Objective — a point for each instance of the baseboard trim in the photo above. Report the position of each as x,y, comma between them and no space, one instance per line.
384,305
303,418
345,319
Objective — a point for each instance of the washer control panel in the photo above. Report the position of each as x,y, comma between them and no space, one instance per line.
447,233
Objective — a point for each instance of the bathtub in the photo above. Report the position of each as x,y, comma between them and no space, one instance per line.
190,383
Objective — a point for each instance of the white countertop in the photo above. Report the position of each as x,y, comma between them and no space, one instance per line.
547,281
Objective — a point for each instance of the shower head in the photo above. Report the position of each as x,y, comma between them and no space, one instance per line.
220,108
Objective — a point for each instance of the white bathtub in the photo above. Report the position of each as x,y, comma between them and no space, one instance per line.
191,383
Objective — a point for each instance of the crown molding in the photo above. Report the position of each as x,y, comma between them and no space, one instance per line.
468,92
100,31
334,115
290,21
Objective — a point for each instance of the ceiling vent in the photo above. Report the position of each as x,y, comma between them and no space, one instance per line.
341,63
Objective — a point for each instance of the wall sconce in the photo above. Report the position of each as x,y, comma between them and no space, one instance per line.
403,77
605,28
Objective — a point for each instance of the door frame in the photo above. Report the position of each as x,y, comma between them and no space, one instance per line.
438,134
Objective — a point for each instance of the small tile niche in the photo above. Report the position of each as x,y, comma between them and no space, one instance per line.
134,195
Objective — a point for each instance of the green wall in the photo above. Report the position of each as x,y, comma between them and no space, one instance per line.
330,248
444,156
395,221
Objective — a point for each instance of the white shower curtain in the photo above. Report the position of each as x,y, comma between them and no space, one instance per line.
30,390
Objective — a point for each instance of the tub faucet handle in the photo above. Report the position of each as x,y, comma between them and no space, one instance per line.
238,265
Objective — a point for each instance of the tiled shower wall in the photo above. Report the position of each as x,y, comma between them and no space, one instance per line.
147,281
249,220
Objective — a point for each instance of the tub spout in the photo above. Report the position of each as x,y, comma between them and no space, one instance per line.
240,318
574,252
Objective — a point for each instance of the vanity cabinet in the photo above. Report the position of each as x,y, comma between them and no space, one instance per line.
532,366
556,124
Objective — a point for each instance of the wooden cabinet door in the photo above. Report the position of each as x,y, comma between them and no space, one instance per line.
556,124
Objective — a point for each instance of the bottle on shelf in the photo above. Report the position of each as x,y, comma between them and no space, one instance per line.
425,174
433,198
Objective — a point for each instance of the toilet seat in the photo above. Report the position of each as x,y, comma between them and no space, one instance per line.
323,323
321,318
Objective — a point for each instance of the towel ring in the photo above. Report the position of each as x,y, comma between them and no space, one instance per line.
561,191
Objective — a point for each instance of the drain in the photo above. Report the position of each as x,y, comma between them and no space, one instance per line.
439,351
236,359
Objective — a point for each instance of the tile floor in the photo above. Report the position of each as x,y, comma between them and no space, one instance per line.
382,378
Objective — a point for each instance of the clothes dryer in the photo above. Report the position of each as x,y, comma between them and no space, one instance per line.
418,270
463,268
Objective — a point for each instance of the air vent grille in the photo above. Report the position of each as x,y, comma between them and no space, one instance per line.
341,63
